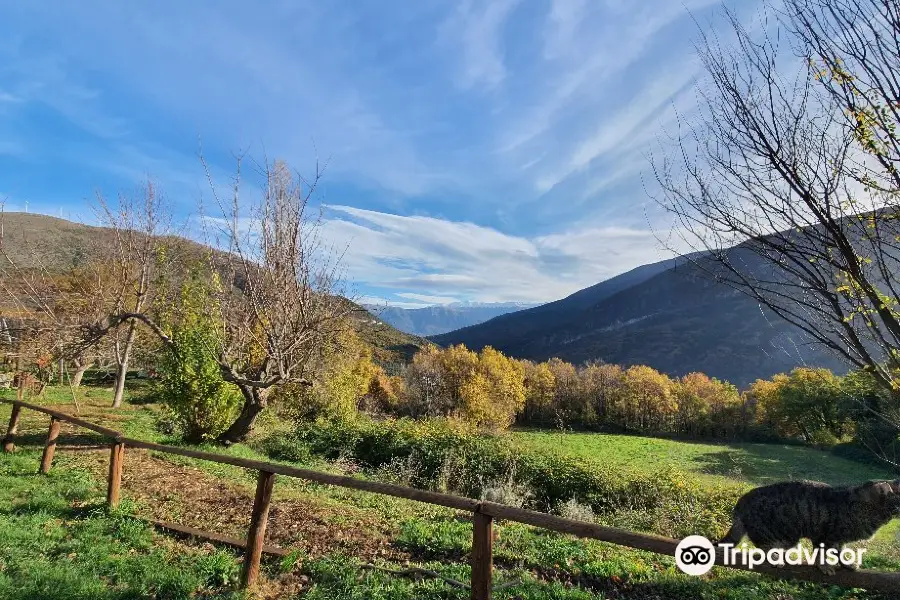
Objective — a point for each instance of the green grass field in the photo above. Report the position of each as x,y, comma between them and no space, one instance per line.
757,464
58,541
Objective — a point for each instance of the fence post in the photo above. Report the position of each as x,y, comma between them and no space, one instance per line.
116,456
257,534
50,447
8,445
482,556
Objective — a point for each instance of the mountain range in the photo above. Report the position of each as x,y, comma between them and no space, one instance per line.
434,320
671,315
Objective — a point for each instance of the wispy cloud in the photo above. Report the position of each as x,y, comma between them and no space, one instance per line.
426,299
468,143
443,261
476,28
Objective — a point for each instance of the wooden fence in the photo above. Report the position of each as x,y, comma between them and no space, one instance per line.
483,513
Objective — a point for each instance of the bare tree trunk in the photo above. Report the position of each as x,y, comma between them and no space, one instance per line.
80,369
122,359
254,404
121,372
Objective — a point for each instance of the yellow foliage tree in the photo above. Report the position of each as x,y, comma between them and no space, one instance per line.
707,405
649,401
505,379
485,389
540,390
601,387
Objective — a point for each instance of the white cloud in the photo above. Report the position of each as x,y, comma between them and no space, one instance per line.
380,92
378,302
477,30
591,61
470,109
426,299
434,260
627,127
563,21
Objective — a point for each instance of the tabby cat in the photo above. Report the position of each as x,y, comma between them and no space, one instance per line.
781,514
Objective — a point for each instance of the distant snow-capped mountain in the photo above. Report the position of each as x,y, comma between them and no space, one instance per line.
434,320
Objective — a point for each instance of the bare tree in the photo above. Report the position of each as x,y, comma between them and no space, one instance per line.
279,293
43,312
284,306
790,182
137,226
66,305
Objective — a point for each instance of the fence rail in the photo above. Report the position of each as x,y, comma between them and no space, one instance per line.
483,513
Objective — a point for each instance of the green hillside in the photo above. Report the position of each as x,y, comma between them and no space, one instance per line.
33,240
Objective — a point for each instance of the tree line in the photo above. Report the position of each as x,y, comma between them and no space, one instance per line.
186,323
493,392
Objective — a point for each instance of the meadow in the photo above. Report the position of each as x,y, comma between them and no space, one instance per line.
58,541
757,464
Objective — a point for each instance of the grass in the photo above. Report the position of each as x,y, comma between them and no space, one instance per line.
57,541
757,464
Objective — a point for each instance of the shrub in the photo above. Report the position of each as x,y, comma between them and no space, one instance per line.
449,455
341,378
200,404
573,509
508,492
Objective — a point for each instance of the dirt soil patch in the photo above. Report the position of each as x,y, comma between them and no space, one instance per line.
189,496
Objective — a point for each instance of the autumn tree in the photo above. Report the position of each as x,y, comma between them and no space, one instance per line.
763,399
540,390
504,380
383,393
486,389
648,399
568,404
809,404
423,388
601,386
707,406
341,376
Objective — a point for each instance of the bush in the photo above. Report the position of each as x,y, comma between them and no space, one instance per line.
429,454
200,404
573,509
341,378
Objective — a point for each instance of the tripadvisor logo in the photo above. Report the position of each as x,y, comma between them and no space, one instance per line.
696,555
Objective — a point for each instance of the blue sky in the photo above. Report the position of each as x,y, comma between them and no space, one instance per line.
484,151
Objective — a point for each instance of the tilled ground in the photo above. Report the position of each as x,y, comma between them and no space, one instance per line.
188,496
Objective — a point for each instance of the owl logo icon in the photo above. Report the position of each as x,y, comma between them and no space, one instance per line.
695,555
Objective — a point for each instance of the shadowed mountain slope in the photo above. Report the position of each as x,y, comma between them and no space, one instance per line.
677,320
